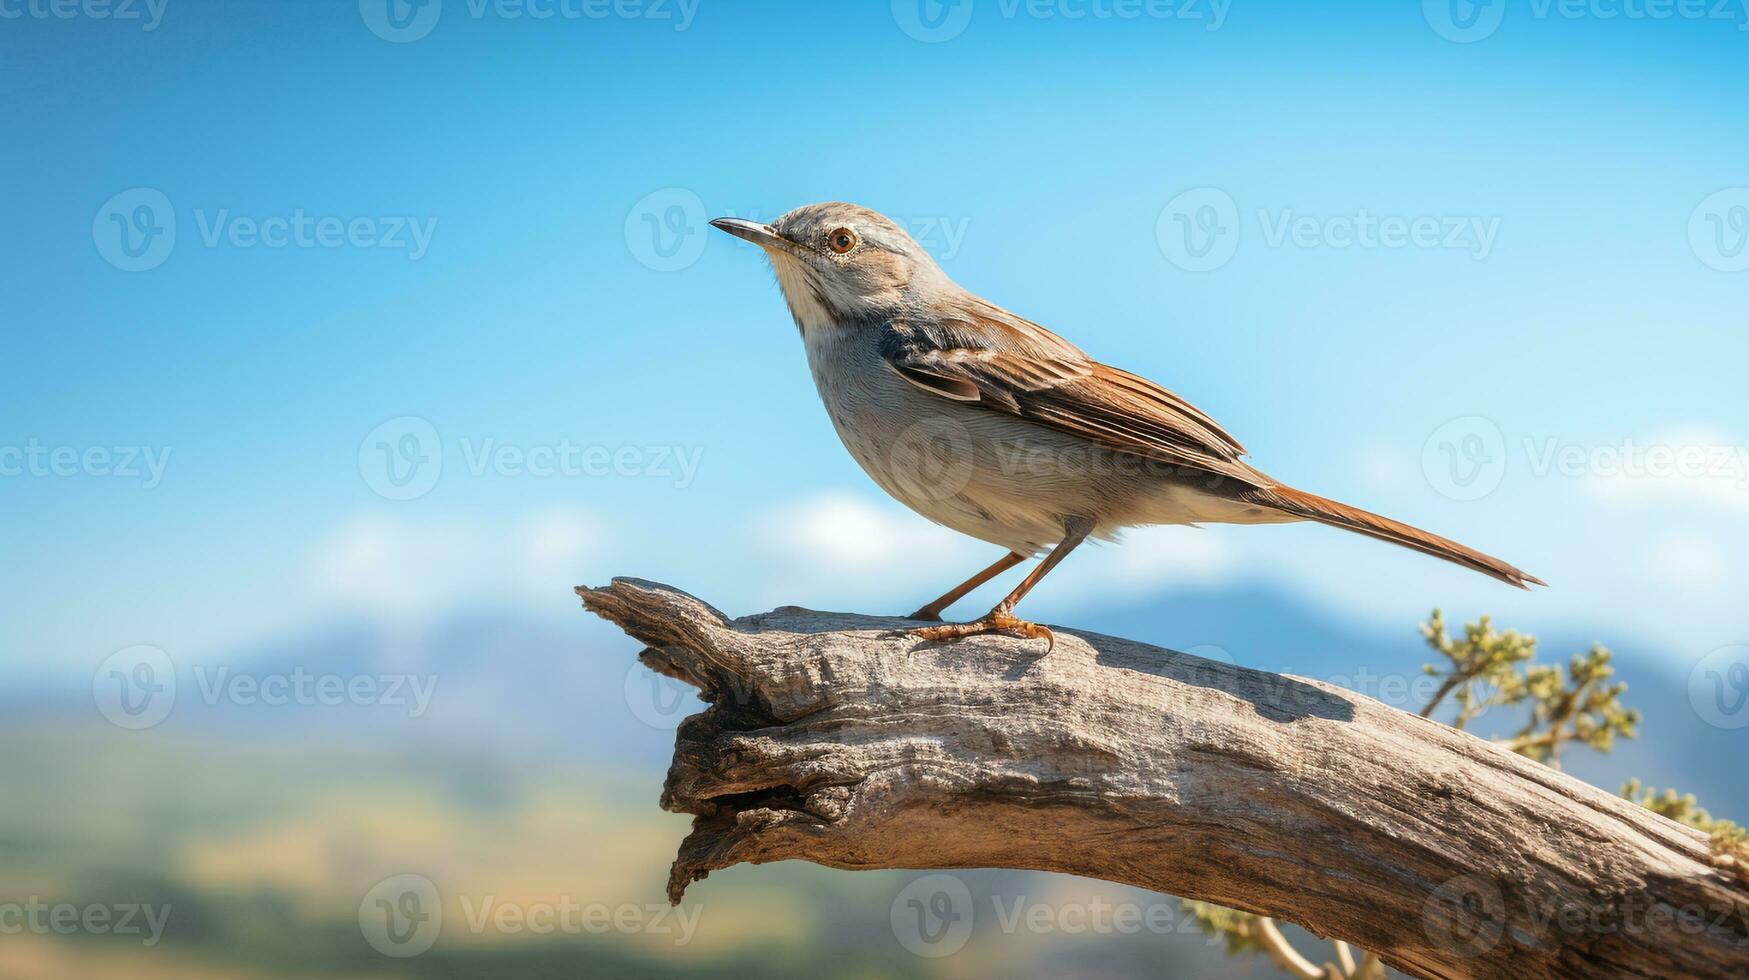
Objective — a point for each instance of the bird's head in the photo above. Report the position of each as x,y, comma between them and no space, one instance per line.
839,262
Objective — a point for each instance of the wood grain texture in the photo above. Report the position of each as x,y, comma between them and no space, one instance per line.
839,739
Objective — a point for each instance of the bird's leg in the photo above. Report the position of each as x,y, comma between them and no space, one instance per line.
933,610
1002,619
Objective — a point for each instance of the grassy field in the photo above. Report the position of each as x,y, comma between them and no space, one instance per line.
259,856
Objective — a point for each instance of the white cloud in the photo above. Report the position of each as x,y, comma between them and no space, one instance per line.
1147,560
841,531
859,551
405,569
385,565
1687,561
1384,468
839,549
1696,470
552,548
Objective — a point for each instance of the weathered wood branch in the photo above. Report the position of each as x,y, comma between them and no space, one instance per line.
840,740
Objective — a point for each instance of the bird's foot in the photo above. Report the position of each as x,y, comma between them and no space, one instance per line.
996,621
927,615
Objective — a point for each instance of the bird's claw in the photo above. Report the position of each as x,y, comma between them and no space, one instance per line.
995,622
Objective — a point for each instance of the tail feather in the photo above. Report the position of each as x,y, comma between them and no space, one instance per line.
1315,508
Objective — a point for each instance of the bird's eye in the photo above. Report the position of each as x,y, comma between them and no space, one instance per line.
842,240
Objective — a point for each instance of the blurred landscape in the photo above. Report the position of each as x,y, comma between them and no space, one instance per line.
530,778
338,341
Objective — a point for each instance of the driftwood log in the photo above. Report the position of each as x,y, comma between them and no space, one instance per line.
841,740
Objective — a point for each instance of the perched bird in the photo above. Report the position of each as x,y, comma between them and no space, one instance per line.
994,426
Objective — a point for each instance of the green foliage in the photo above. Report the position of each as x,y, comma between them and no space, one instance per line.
1489,669
1237,929
1584,706
1730,841
1484,669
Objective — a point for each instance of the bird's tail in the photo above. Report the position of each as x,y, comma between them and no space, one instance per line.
1315,508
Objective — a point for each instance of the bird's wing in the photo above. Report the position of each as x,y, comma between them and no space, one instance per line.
979,353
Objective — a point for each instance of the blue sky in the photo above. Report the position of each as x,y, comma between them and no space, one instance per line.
1580,304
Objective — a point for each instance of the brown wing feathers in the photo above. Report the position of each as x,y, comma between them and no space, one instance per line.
1018,367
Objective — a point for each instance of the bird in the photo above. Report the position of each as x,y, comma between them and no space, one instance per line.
986,422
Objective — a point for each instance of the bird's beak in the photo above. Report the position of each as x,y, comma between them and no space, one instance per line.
764,236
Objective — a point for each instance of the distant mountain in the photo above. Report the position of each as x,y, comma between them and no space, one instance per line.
1271,630
502,682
